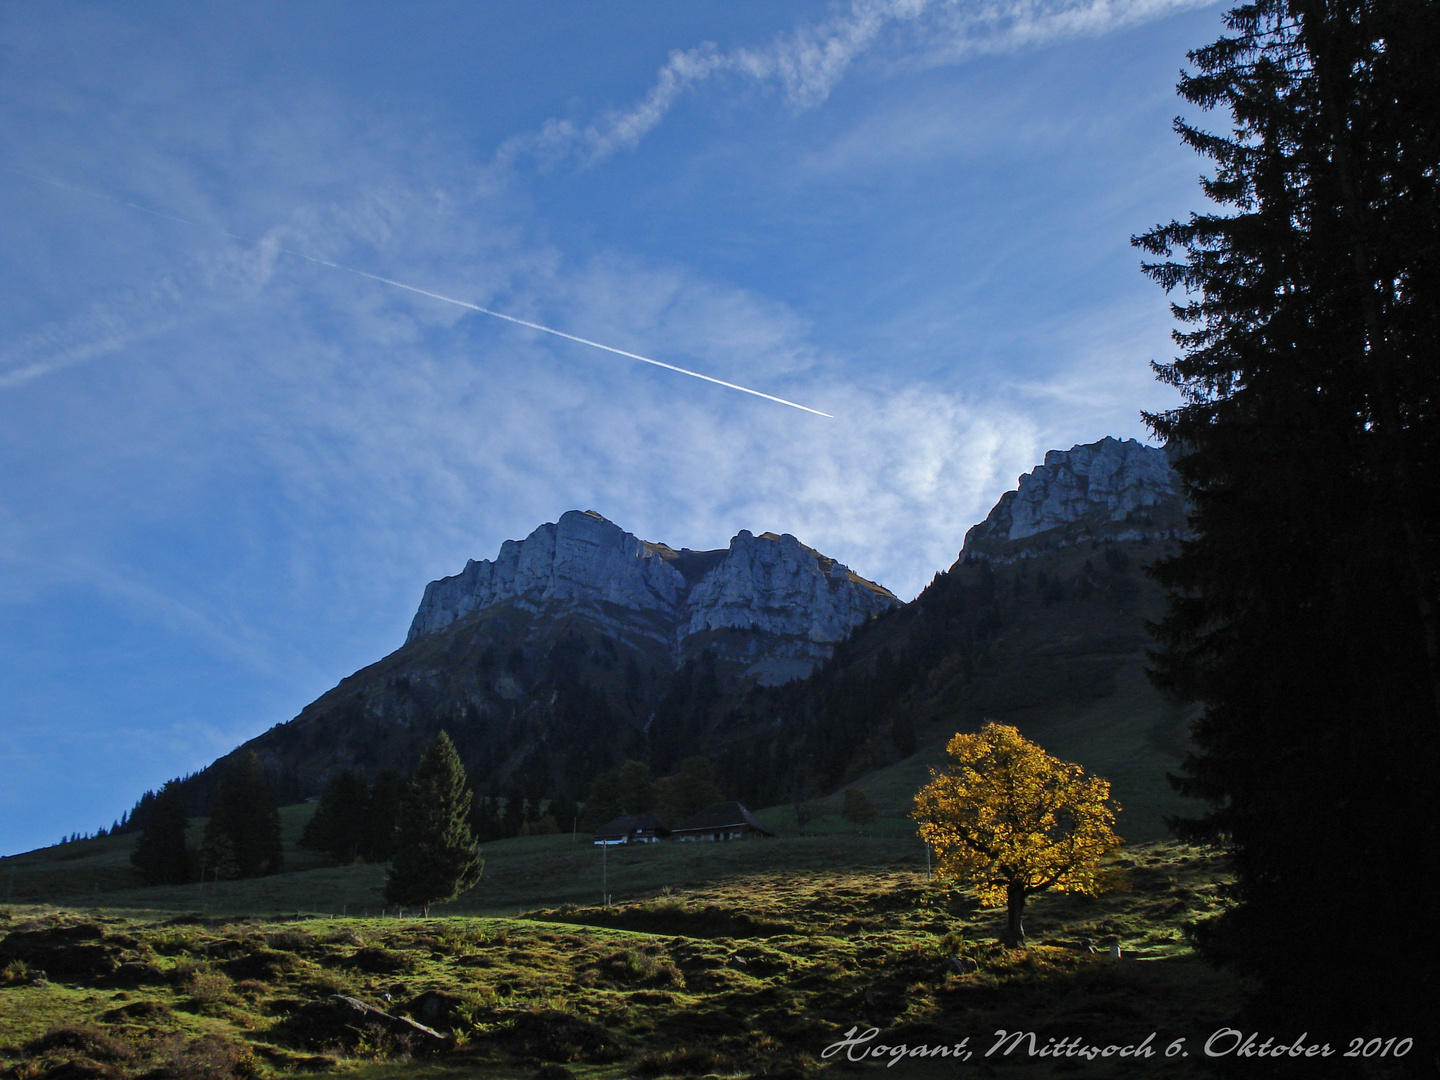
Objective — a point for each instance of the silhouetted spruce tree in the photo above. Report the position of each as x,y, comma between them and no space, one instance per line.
435,856
485,821
691,789
565,811
637,788
339,824
858,808
1303,612
902,734
382,814
512,817
603,803
138,812
160,855
242,838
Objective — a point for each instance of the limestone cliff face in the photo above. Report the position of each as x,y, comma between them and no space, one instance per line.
769,584
1107,490
778,585
580,559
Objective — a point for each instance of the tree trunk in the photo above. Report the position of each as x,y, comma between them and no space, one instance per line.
1015,905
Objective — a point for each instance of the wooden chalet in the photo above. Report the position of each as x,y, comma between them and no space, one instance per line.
632,829
722,821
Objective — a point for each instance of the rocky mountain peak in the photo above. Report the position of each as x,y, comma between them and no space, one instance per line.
581,559
771,584
1106,490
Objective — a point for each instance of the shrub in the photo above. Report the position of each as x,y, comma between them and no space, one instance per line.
664,904
86,1039
858,807
474,1007
267,964
688,1061
330,982
637,966
182,971
137,973
207,1058
70,1068
209,987
376,961
15,973
552,1035
293,940
137,1010
173,943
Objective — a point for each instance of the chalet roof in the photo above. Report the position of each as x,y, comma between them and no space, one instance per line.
629,824
721,815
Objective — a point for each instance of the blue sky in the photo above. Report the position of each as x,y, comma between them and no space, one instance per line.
229,472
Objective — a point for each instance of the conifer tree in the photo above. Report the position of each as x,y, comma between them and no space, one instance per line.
604,802
1303,611
697,786
160,855
338,827
858,808
435,856
485,821
242,838
137,814
513,816
636,788
382,812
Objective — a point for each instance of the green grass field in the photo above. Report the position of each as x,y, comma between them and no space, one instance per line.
726,960
520,874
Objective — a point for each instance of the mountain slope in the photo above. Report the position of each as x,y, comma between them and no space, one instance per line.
1039,623
567,653
582,646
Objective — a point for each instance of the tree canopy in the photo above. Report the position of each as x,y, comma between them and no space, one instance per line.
1011,820
341,818
160,855
1303,611
858,808
242,837
382,813
632,789
435,857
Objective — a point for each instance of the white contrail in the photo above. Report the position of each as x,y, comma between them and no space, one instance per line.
559,333
432,295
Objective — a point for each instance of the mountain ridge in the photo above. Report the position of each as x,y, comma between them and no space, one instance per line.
583,646
1045,630
1113,489
585,564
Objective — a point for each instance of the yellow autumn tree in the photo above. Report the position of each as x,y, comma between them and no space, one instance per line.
1007,818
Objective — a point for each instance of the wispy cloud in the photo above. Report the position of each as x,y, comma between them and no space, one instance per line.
106,328
962,30
806,64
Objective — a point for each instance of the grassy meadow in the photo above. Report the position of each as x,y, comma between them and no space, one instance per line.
722,960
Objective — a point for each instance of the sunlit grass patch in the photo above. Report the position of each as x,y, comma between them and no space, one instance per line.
748,976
